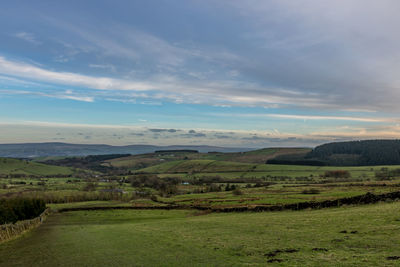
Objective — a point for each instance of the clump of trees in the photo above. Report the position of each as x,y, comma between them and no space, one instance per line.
386,174
167,186
16,209
229,187
214,188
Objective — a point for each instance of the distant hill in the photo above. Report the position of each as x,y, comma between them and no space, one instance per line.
260,156
352,153
16,166
31,150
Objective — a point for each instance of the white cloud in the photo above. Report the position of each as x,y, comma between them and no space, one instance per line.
25,70
168,87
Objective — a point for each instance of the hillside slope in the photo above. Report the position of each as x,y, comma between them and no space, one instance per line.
259,156
352,153
357,153
17,166
204,166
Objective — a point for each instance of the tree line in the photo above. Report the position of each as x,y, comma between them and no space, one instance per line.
352,153
17,209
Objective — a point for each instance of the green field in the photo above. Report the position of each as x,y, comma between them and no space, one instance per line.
188,238
259,156
268,172
16,166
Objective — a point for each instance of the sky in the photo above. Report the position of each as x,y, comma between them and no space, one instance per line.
255,73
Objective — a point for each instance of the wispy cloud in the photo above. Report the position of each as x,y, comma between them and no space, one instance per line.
340,118
103,66
67,78
167,87
29,37
307,117
59,95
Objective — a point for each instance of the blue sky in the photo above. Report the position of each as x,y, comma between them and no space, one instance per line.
231,73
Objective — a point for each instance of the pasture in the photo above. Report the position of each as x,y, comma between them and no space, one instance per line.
16,166
347,236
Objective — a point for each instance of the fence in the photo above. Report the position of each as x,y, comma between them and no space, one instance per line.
12,230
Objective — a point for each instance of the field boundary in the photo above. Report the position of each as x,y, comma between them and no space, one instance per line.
169,207
13,230
368,198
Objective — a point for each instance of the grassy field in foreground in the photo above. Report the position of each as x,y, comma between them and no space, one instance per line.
178,238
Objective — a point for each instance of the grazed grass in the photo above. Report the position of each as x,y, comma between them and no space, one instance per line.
370,234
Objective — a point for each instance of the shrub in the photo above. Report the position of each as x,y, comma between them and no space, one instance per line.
214,188
338,174
312,191
237,192
90,186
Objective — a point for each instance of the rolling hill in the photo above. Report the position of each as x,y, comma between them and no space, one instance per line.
259,156
17,166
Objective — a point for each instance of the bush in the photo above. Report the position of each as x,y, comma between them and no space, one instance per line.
90,186
338,174
312,191
237,192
